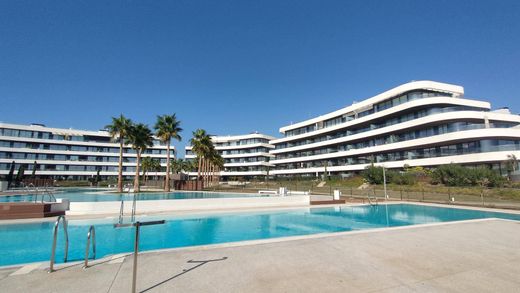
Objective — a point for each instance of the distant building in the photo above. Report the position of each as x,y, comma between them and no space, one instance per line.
68,153
421,123
245,156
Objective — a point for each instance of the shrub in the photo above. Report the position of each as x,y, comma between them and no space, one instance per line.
485,177
456,175
373,174
450,175
402,178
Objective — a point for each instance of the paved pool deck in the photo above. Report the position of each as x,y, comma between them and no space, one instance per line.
471,256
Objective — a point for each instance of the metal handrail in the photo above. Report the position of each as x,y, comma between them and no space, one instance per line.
137,226
91,234
370,202
122,207
133,206
49,194
55,239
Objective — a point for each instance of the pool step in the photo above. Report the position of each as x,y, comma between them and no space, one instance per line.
26,210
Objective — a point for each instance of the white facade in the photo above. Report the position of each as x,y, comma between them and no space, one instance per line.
68,153
422,123
244,155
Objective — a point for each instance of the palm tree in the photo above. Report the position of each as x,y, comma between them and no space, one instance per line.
149,164
218,163
187,165
140,137
119,130
202,147
146,166
168,127
200,144
177,166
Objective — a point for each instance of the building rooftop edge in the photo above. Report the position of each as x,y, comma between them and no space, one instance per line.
414,85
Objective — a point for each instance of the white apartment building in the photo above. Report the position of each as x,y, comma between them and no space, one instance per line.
421,123
245,156
68,153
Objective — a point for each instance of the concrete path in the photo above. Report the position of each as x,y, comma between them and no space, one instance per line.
464,257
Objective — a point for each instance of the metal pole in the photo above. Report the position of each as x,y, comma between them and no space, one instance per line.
137,226
136,251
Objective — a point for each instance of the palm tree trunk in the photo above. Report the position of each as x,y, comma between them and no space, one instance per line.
211,174
199,169
167,178
120,171
210,170
206,167
136,179
214,174
203,173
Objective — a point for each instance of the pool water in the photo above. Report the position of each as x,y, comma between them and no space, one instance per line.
92,195
25,243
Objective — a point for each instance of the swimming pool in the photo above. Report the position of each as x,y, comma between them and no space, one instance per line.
93,195
24,243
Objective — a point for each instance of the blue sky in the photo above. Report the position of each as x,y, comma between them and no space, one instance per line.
234,67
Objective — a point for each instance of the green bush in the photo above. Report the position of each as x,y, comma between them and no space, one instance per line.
450,175
456,175
373,174
402,178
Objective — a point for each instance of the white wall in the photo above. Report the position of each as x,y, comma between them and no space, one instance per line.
148,206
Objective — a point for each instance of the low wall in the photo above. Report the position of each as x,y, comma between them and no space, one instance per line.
147,206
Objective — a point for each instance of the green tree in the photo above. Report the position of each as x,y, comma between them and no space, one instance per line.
35,166
149,164
98,177
119,129
10,175
141,138
167,128
20,175
451,175
202,147
179,165
373,174
511,165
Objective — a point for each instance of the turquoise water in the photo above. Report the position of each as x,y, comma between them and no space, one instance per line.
92,195
24,243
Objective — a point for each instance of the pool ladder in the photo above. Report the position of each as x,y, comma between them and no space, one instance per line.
45,192
55,239
122,206
91,234
372,203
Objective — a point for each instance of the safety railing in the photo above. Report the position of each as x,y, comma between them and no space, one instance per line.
90,235
122,206
55,239
133,207
137,226
46,192
372,202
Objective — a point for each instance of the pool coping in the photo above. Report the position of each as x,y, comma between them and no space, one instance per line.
44,265
251,209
